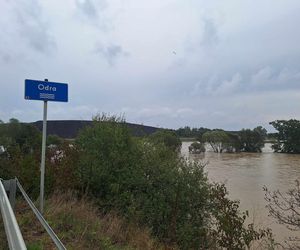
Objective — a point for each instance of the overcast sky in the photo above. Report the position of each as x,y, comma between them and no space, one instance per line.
219,63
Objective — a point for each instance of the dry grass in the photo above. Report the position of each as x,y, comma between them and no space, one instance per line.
80,225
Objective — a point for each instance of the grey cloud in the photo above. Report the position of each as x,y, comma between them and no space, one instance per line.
210,32
229,86
93,13
269,78
5,57
259,80
111,53
32,27
87,8
204,39
263,76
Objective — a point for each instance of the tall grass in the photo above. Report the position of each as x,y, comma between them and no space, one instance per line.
80,225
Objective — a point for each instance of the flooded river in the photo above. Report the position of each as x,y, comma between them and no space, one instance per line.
245,174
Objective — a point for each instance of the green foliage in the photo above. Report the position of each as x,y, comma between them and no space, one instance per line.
107,159
197,147
14,133
234,143
253,140
191,132
229,230
150,185
288,136
246,140
54,140
61,166
21,158
166,137
217,139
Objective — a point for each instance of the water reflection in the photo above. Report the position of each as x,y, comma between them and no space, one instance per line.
245,174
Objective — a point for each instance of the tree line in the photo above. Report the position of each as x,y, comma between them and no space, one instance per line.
285,140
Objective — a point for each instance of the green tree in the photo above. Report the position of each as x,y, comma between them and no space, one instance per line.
197,147
107,159
191,132
26,136
288,136
234,143
252,140
184,132
217,140
168,138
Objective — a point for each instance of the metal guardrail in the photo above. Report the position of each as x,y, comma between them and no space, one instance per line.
40,217
13,233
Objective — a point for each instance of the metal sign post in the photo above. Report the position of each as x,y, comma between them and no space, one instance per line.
45,91
43,157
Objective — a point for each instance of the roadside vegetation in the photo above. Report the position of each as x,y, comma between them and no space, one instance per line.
80,225
143,182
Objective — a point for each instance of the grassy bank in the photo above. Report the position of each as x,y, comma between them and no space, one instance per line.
79,225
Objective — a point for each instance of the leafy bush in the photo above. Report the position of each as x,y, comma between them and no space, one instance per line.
197,147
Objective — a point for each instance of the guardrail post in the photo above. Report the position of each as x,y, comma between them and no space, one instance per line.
11,187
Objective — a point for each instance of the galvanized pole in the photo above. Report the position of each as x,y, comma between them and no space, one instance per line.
43,156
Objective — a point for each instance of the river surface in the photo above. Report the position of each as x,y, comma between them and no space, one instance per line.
245,174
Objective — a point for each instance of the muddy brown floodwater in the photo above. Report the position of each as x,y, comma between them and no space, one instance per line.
245,174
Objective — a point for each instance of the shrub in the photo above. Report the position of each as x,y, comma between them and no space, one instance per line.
197,147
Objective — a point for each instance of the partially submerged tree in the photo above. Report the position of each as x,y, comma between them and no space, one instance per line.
217,139
288,136
234,143
253,140
197,147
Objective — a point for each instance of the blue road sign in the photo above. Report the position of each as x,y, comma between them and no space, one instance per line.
46,91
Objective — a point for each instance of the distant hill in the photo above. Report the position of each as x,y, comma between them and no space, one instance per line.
69,129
